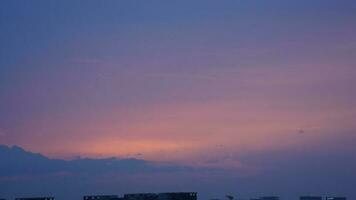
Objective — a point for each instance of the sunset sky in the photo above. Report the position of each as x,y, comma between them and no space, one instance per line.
198,83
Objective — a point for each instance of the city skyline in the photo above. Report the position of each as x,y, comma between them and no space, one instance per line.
248,95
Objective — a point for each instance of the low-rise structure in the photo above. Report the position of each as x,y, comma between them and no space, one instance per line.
310,198
161,196
102,197
35,198
177,196
335,198
141,196
269,198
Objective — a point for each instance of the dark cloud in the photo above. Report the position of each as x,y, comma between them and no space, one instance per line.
309,170
15,161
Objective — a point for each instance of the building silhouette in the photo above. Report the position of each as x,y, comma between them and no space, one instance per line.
161,196
269,198
266,198
146,196
36,198
335,198
102,197
178,196
310,198
171,196
141,196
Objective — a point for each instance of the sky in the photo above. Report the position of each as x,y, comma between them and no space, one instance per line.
246,86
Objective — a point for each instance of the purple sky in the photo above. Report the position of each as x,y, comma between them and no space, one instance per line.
225,84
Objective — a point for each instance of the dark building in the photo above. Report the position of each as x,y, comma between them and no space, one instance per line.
335,198
177,196
269,198
310,198
36,198
161,196
141,196
102,197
